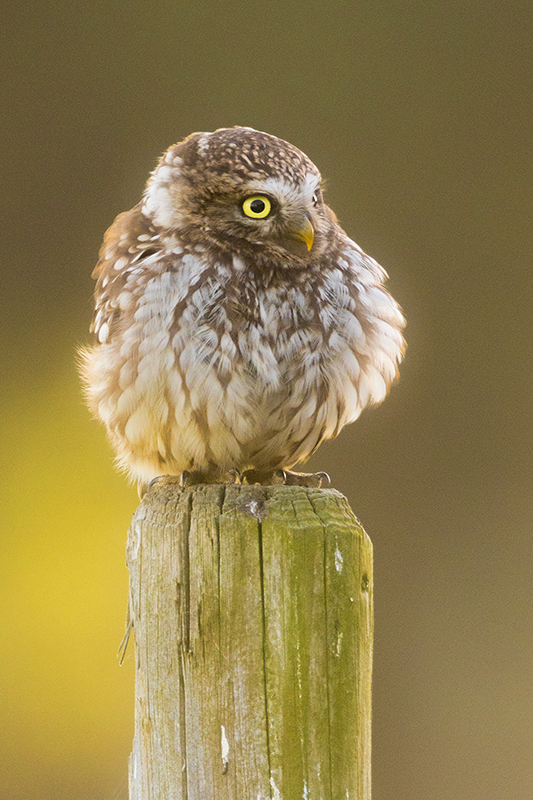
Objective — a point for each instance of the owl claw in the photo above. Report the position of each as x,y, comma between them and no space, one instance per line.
192,478
285,477
143,487
313,480
278,477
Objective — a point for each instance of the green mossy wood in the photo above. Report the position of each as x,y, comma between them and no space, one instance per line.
252,611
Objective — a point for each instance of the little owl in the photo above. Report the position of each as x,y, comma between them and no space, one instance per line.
236,325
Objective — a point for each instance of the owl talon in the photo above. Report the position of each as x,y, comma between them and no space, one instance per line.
312,480
192,478
143,487
286,478
324,476
280,476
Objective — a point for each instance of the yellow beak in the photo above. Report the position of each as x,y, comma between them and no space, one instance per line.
305,233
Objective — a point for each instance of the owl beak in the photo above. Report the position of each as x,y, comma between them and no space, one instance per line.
305,232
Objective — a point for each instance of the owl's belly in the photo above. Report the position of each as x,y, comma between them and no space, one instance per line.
188,412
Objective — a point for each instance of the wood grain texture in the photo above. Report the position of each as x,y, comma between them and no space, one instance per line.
252,611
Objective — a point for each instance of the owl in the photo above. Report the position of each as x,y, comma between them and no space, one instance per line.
236,325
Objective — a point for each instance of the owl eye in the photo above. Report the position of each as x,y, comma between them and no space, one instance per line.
257,206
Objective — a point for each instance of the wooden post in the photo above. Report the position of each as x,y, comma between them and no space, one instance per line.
252,611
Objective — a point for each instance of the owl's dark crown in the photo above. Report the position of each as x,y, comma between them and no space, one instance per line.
241,151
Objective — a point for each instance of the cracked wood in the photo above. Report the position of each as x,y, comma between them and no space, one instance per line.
252,611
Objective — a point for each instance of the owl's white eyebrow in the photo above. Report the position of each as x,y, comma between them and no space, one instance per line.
285,191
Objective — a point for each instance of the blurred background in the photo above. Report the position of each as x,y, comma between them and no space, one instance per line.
420,116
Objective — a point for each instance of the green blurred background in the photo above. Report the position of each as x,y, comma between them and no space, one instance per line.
420,116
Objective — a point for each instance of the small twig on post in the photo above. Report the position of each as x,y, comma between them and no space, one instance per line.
252,611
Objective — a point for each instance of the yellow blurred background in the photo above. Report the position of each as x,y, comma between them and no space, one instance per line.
420,116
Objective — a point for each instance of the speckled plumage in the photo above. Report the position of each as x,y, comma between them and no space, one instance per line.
223,342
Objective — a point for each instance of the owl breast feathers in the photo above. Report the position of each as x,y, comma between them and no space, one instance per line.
236,324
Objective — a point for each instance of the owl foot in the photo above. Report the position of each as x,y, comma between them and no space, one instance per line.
210,476
311,479
283,477
193,478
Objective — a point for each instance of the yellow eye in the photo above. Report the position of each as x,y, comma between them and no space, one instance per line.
257,206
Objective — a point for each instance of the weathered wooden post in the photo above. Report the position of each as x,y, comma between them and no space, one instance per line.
252,611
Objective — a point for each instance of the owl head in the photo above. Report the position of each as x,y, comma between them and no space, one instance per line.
241,191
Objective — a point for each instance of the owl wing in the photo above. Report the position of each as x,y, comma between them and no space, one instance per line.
128,244
373,325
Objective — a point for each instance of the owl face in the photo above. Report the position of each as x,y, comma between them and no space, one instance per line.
242,191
